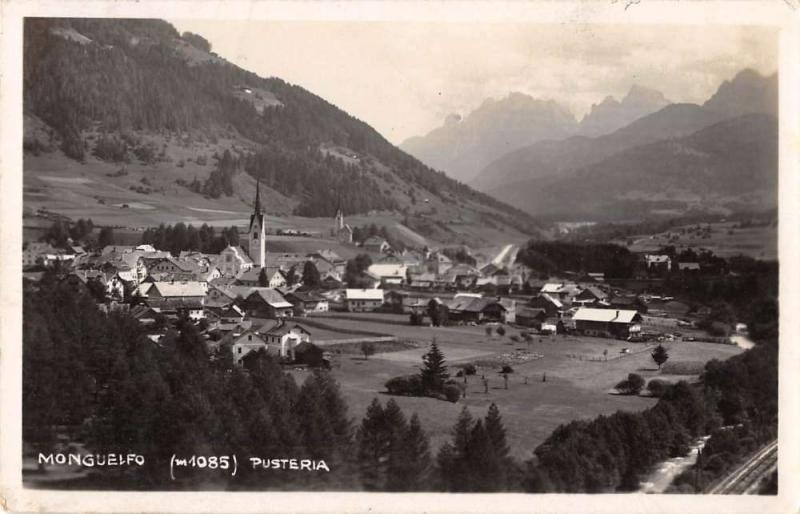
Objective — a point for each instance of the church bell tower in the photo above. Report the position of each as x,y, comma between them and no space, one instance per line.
257,249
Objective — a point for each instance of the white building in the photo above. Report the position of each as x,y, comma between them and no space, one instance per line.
363,300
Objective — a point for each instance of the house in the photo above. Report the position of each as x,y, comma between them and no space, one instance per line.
510,307
178,307
245,343
34,253
657,263
144,314
230,314
331,281
233,261
274,277
376,244
264,302
195,291
363,300
326,254
476,310
552,306
396,300
438,263
389,274
590,296
531,317
607,322
286,338
307,302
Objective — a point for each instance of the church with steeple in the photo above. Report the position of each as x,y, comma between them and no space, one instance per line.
341,230
256,244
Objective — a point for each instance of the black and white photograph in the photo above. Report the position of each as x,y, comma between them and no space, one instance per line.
265,254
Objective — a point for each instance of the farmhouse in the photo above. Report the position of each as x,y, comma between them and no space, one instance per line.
251,277
363,300
245,343
531,317
264,302
590,296
307,302
607,322
286,338
552,306
187,291
470,309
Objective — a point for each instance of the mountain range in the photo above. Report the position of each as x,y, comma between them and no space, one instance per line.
132,115
462,147
548,177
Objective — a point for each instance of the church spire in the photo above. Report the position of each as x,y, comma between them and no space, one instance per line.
257,208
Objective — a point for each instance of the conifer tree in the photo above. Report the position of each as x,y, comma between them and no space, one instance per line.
497,436
396,428
372,447
415,465
434,372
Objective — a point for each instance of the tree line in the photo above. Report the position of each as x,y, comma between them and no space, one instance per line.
181,237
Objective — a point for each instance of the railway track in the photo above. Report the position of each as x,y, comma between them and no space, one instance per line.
746,478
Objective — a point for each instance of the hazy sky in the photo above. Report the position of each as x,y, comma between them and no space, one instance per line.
404,78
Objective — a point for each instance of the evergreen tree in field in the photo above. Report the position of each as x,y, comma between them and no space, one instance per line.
415,463
372,446
452,457
497,432
310,275
482,469
660,355
396,429
434,372
497,436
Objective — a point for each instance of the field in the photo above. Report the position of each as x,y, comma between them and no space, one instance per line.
724,239
578,378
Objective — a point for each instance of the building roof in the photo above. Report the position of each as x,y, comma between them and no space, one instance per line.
284,328
388,270
364,294
605,315
239,253
270,296
305,297
173,304
253,273
167,289
552,287
328,255
689,265
548,298
594,292
374,240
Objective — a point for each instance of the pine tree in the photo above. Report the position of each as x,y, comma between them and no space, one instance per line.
396,428
496,431
434,372
481,465
263,281
415,464
310,275
372,447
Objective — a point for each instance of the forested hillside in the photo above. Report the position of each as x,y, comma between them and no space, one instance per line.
122,91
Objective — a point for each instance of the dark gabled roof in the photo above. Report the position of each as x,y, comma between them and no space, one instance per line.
304,297
284,328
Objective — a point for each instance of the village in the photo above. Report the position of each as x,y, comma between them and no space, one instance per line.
374,316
